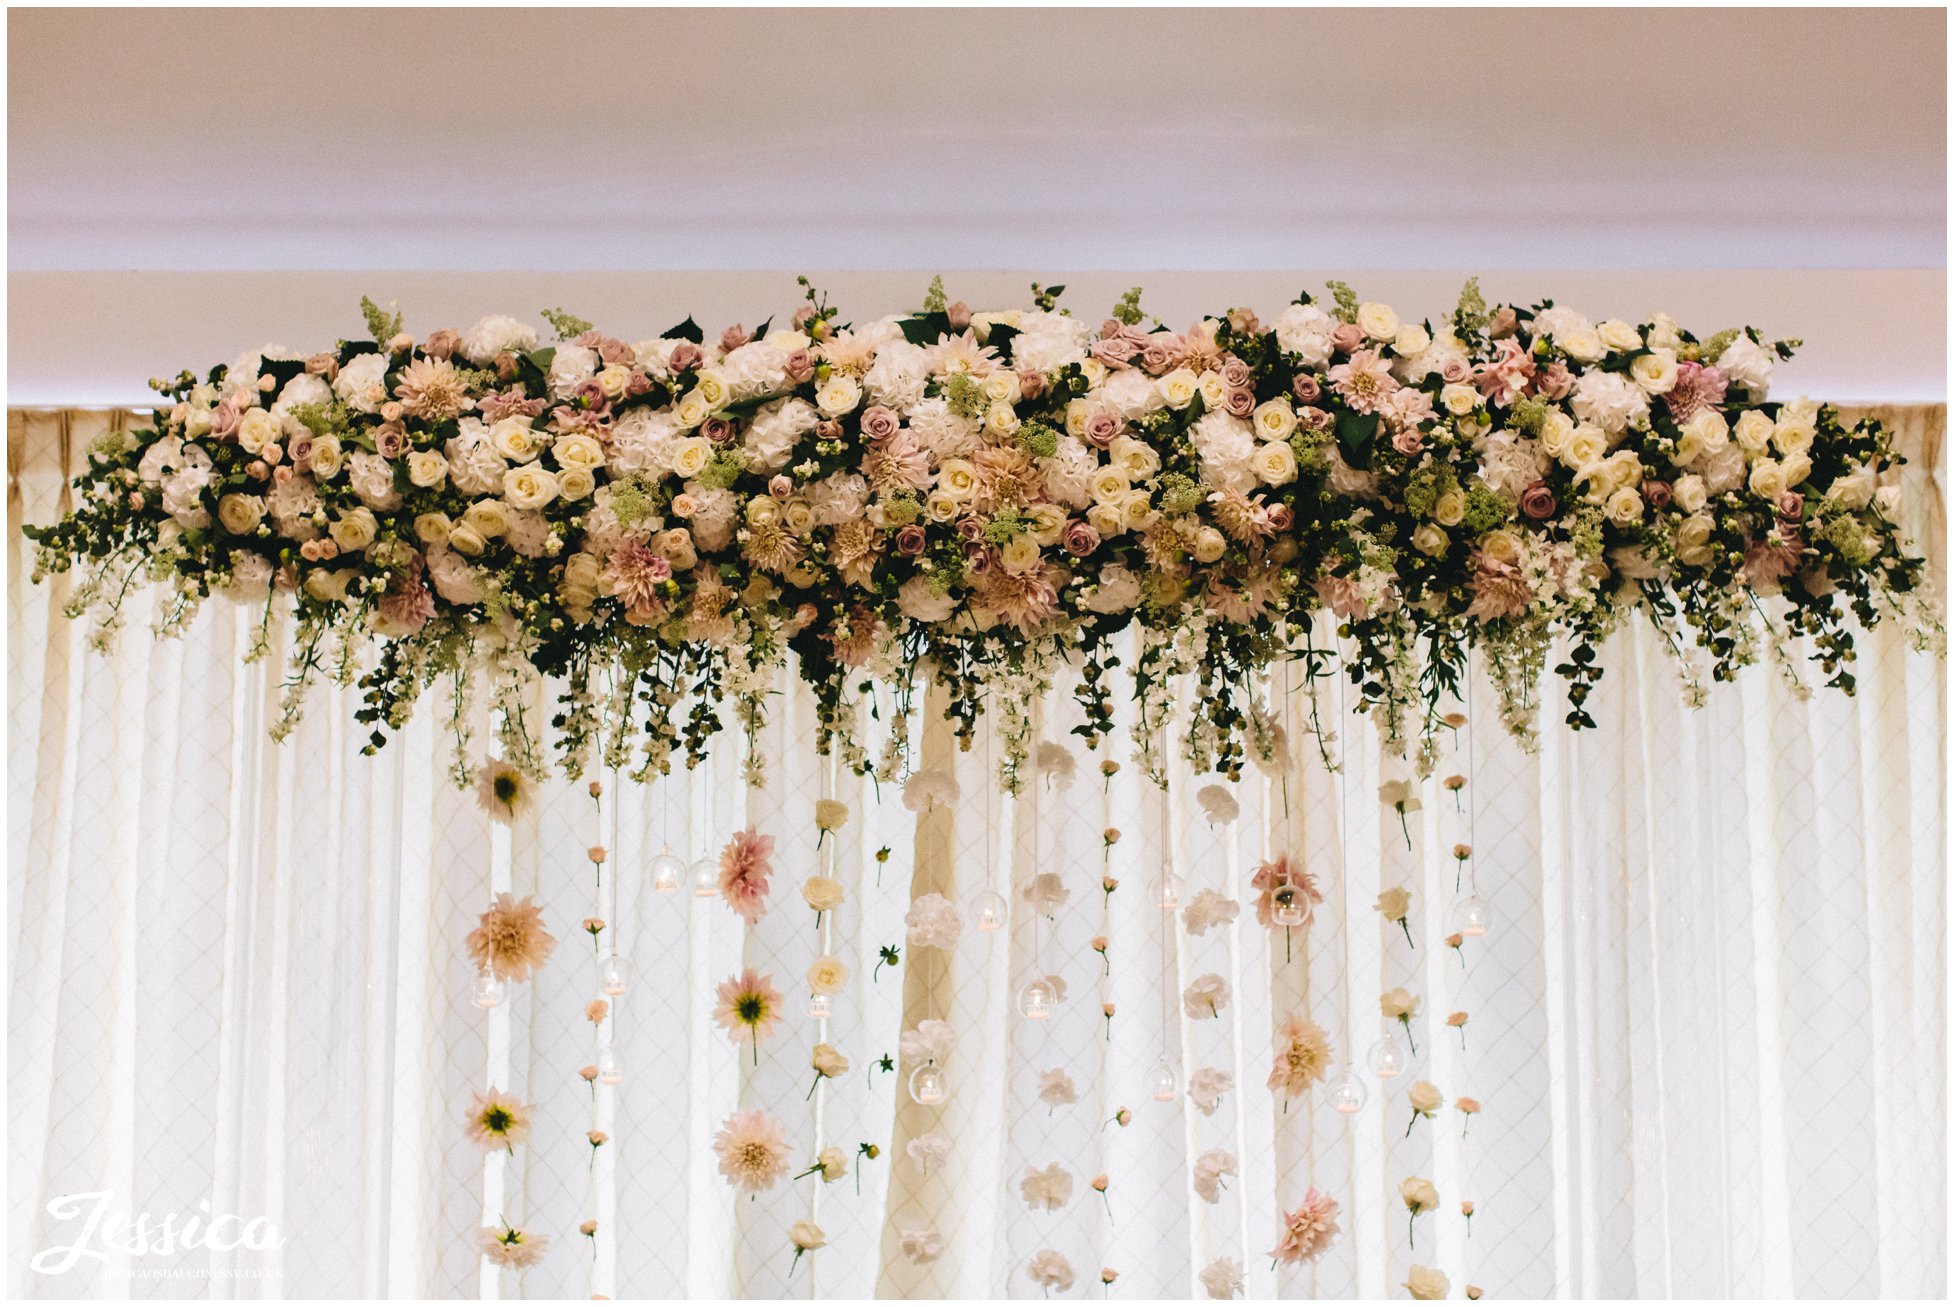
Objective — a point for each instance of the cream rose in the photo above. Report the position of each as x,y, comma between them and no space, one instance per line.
1424,1097
1582,344
822,893
1618,335
241,514
1623,507
690,456
711,387
1428,539
516,440
1209,544
465,539
958,479
1179,387
1274,463
838,395
1502,546
1397,1004
1754,432
1427,1285
1107,519
1109,485
529,486
1688,493
692,410
1767,479
1457,399
1273,419
1585,446
258,429
1450,508
427,468
1419,1192
1555,433
354,531
1018,555
575,483
577,450
487,516
327,458
1693,540
1379,321
828,975
433,528
1411,340
1393,903
1654,372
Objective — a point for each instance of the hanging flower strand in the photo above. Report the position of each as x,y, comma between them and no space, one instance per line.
1394,904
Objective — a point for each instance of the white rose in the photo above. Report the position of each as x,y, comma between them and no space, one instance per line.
1689,494
1209,544
1426,1284
1136,458
1767,479
1754,432
354,531
1274,463
577,450
692,409
838,395
1108,520
241,514
330,586
426,468
1214,391
1623,507
1585,446
1273,419
516,440
1555,432
1747,364
529,486
1108,485
487,516
465,539
257,429
1854,490
1018,555
1397,1004
690,456
958,479
1411,340
1379,321
1428,539
1459,400
433,528
1654,372
1793,437
1179,387
1618,335
1003,387
1002,420
1424,1097
1450,508
1693,540
1797,469
1582,344
575,483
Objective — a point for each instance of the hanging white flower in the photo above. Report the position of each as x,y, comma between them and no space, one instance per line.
921,1244
1211,1172
1217,804
1209,908
931,1040
1056,763
934,922
928,1151
1273,761
1055,1088
1048,1189
1206,1086
1222,1278
1046,892
932,787
1049,1270
1205,996
830,815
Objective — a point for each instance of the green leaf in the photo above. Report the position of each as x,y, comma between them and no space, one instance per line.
1356,434
924,328
686,330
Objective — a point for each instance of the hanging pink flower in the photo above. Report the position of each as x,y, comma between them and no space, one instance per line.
744,870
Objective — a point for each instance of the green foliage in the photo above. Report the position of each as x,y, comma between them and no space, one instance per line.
935,300
1346,301
1128,308
568,326
380,324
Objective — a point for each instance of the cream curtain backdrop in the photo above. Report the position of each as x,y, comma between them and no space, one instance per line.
1707,1027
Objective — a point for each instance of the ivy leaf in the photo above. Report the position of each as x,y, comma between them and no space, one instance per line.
1001,337
686,330
1356,434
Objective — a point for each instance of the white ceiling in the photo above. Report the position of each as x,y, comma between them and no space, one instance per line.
236,139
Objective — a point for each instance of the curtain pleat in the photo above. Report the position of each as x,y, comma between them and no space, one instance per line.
1707,1027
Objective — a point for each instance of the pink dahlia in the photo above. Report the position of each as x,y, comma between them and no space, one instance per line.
1697,387
1308,1231
744,870
636,573
1365,382
1498,590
